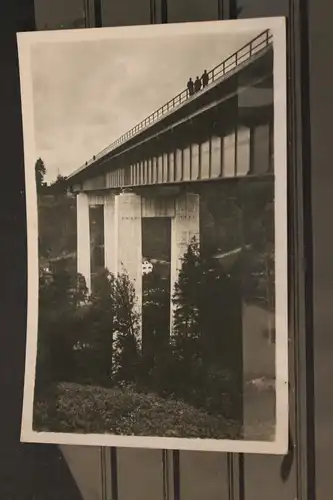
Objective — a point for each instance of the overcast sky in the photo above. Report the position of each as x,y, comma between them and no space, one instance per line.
87,94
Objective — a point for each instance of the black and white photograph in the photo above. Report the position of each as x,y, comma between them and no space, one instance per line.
156,187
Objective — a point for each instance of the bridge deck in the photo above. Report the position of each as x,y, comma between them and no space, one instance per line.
245,55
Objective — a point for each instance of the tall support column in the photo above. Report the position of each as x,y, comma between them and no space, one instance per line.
128,215
184,227
110,239
83,237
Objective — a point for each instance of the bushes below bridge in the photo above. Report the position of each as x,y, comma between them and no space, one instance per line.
125,411
96,341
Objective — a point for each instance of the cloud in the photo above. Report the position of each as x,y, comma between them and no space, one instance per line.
86,94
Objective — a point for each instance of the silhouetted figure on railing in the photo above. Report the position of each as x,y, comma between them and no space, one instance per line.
197,84
190,87
205,78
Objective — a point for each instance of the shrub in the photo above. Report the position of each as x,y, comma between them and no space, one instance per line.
91,409
86,339
207,335
59,325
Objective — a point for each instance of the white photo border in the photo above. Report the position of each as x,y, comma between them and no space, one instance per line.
277,26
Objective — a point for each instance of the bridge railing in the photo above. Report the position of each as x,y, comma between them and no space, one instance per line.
250,49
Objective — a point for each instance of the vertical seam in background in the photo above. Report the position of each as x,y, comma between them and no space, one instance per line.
114,473
220,9
176,474
164,11
165,453
223,15
98,13
303,321
241,476
165,474
152,11
103,471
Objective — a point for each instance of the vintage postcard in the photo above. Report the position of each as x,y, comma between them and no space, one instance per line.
156,187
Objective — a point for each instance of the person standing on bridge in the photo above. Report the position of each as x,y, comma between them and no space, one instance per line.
197,84
190,87
205,78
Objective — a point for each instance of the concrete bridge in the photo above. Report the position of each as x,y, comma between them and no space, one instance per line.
222,132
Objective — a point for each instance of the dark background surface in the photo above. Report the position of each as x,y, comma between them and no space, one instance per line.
40,472
26,471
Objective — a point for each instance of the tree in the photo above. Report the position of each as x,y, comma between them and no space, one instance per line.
59,326
155,331
127,329
57,226
96,340
256,266
185,297
186,331
155,312
40,172
109,340
207,334
59,186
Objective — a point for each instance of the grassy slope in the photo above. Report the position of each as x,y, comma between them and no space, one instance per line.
88,409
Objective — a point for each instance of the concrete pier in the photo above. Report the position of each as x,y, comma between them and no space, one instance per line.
110,239
123,215
128,238
83,237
